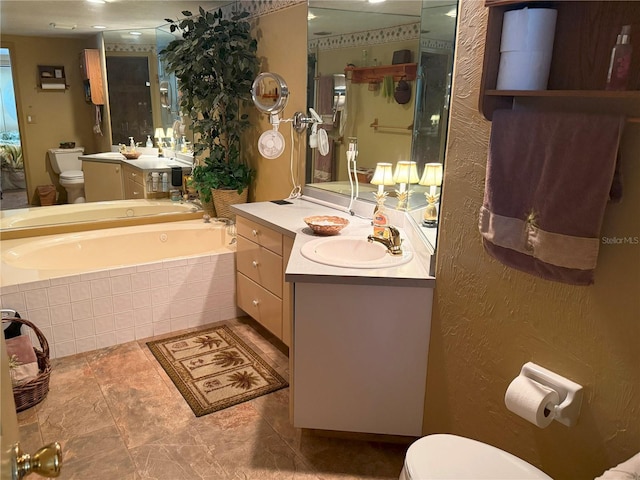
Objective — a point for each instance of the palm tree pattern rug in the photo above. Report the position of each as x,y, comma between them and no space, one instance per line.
214,369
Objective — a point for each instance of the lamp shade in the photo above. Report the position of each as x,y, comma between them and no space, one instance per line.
169,132
159,133
406,172
383,174
432,175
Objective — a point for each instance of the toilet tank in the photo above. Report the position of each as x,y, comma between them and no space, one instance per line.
65,159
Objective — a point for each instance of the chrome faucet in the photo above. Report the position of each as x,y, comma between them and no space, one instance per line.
393,241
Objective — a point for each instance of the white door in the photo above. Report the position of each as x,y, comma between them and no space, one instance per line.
14,464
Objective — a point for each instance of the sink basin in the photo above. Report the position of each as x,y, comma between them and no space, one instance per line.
352,252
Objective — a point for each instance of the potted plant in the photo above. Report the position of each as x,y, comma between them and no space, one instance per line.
215,63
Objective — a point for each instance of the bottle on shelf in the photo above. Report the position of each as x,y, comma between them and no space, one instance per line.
165,182
618,74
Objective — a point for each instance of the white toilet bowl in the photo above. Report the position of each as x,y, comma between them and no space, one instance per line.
66,162
453,457
73,182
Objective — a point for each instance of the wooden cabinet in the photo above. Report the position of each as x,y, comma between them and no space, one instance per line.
585,33
261,259
102,181
91,71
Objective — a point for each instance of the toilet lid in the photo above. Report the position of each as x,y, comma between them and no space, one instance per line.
72,175
454,457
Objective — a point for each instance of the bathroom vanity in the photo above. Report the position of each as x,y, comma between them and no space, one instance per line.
110,176
360,338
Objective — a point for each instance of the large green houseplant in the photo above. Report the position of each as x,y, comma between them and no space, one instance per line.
215,63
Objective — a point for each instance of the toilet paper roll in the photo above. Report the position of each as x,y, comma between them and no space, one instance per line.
528,30
523,71
531,400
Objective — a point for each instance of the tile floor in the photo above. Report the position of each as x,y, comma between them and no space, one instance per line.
118,416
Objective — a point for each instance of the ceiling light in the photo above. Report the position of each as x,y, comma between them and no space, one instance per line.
98,27
135,34
376,1
452,13
59,26
310,16
96,1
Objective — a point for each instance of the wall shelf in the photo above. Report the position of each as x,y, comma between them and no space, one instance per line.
377,74
52,77
584,36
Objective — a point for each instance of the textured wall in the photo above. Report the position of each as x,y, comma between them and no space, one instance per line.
488,320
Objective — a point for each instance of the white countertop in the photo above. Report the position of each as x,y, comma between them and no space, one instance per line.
144,162
288,219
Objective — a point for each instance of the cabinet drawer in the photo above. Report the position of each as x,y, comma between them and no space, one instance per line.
260,234
136,177
260,265
261,304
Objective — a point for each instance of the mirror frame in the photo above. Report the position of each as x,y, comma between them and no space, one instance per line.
282,97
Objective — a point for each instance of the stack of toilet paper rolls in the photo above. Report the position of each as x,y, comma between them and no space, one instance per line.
526,48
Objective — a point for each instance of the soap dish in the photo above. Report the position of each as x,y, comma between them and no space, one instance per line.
131,155
326,225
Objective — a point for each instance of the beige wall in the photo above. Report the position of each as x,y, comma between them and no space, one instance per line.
488,320
282,48
59,115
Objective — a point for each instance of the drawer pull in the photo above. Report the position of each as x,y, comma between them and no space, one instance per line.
254,232
255,303
255,264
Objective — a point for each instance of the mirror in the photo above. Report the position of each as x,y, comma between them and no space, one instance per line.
269,93
137,108
376,48
142,95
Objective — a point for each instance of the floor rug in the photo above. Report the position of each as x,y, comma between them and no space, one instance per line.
214,369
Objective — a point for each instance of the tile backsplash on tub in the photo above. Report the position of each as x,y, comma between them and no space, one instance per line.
94,310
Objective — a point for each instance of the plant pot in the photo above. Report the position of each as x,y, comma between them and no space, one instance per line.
208,208
222,199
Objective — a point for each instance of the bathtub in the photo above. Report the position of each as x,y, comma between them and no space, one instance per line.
51,256
100,288
87,212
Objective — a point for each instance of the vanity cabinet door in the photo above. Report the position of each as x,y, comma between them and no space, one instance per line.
102,181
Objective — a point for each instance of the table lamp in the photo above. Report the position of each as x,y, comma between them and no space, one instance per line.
432,178
405,174
382,176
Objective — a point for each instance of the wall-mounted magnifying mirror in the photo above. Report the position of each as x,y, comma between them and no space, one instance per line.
270,93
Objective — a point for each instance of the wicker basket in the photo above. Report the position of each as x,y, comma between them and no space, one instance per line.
222,199
30,393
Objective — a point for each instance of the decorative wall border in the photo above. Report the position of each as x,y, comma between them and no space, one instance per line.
262,7
130,47
410,31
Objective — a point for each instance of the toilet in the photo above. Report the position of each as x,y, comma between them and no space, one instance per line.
66,163
445,456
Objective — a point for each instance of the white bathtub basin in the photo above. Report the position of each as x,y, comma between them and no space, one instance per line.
352,252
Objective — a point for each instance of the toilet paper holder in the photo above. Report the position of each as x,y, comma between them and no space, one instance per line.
569,392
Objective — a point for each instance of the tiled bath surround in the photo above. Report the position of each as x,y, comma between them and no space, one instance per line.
94,310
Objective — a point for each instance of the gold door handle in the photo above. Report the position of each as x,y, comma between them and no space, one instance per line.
46,462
